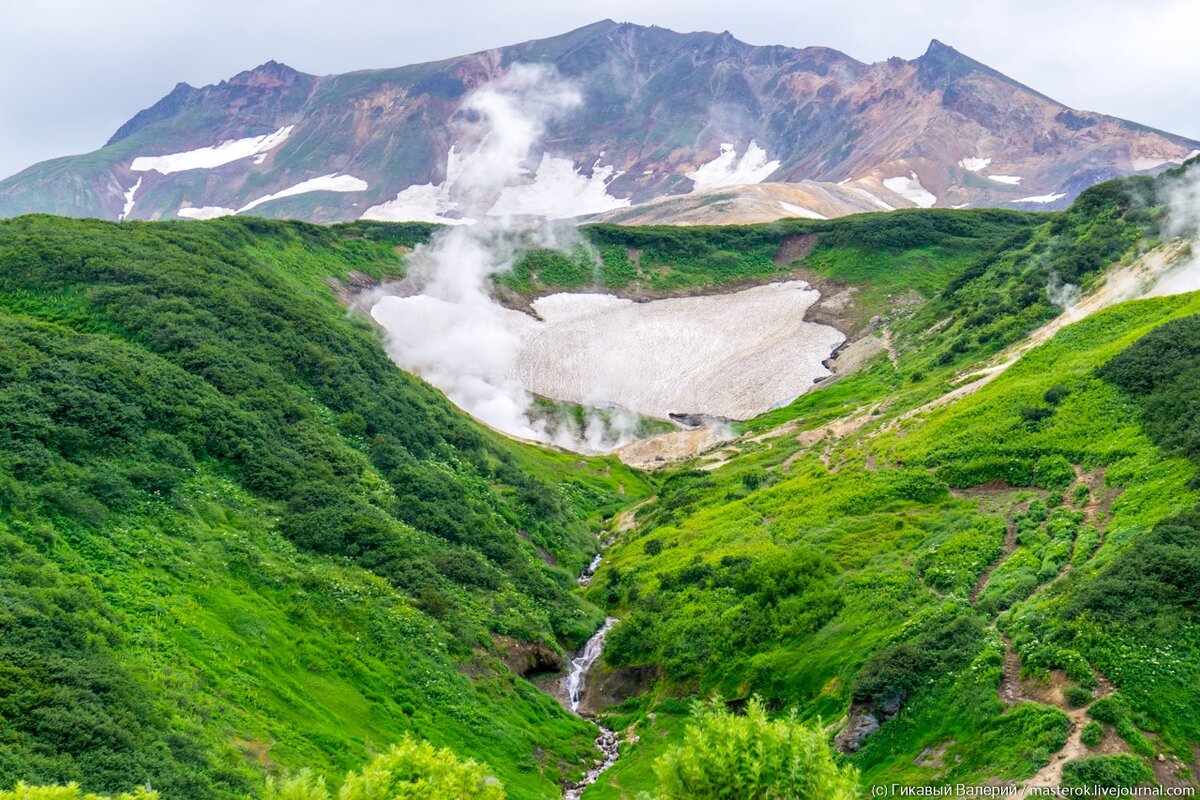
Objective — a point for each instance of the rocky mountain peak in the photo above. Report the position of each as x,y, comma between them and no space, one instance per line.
693,116
271,75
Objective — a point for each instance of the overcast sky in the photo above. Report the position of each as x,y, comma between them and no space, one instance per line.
72,71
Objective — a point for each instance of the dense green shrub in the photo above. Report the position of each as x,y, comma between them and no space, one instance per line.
417,769
1154,585
71,791
751,757
1077,696
1161,374
1110,710
1110,772
897,670
1092,733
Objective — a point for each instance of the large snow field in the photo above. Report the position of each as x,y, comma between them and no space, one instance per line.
731,355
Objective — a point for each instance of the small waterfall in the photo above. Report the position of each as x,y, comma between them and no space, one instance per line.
585,577
607,742
584,661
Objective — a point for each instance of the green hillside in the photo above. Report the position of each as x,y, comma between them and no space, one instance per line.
239,542
236,537
970,574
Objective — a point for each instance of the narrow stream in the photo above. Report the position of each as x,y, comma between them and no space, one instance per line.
608,742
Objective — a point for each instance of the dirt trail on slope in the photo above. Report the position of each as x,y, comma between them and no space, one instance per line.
1011,691
1052,773
1010,545
1098,508
625,521
1121,283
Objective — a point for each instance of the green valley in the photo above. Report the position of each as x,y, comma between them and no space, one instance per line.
240,543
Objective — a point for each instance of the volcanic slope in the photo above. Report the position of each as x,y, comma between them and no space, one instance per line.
698,118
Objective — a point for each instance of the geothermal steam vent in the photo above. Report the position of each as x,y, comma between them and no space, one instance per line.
731,355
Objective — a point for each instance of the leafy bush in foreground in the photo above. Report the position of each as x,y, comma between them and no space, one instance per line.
71,791
412,769
752,757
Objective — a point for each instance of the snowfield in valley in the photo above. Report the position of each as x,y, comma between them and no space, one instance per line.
686,355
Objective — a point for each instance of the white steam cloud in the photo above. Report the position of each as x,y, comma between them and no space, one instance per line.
452,332
1062,294
1183,198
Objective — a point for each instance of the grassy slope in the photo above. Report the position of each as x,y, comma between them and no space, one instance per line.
814,575
336,579
237,538
922,249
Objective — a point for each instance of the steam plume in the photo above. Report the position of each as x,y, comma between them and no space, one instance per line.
1183,198
453,333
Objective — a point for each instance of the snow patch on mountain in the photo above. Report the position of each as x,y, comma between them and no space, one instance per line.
326,183
1142,163
910,188
560,191
729,170
974,164
1042,198
218,155
205,212
1011,180
800,211
129,194
425,202
873,198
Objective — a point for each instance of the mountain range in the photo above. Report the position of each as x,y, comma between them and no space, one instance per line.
674,128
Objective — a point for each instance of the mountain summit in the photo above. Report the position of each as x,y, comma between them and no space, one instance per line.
673,127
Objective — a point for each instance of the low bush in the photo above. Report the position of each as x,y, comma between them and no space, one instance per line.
752,757
1108,772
